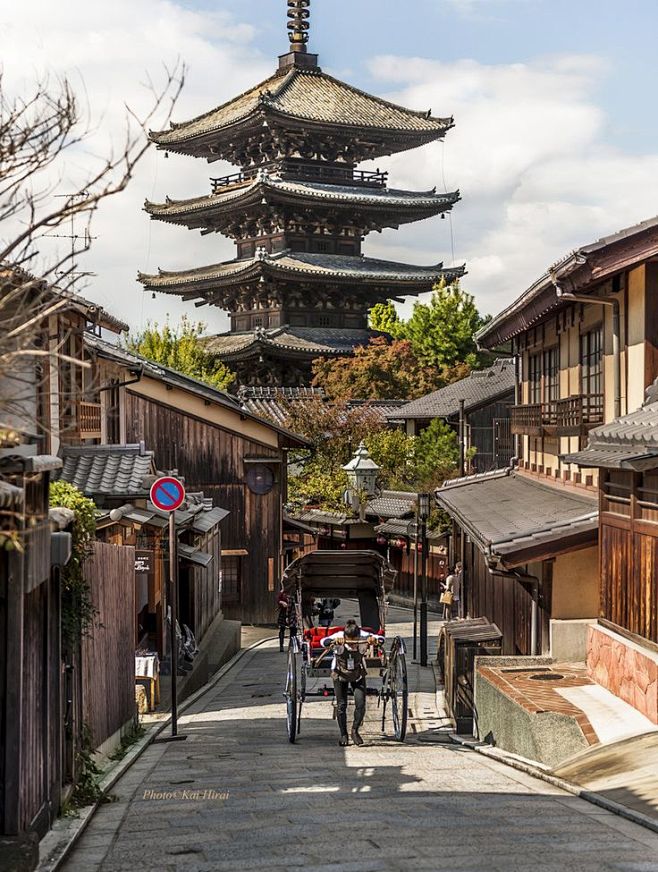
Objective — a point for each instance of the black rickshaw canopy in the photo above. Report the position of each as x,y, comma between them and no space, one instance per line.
329,573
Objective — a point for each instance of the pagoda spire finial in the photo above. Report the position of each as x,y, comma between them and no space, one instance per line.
298,24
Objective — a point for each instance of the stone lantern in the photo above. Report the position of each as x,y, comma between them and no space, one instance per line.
362,474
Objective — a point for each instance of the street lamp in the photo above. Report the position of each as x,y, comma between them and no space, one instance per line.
362,472
423,515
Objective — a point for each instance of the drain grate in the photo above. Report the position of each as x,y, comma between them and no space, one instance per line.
546,676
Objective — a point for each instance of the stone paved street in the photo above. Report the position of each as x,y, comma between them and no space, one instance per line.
316,806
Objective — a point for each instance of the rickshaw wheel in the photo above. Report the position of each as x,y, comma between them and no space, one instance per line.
291,694
399,690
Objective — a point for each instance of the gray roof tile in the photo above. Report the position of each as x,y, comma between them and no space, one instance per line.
479,387
107,470
505,512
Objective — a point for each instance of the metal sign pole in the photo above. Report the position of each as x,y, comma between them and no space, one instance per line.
173,587
423,595
168,494
415,651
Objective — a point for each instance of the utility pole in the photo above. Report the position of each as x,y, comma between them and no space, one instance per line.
423,515
461,438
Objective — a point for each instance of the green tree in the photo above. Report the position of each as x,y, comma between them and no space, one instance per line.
384,317
182,349
442,332
437,455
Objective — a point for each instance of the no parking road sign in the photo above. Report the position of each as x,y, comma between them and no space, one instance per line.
167,494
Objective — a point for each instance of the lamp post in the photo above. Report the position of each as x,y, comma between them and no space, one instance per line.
362,472
423,515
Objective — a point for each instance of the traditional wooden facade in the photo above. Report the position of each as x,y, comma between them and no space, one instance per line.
584,338
237,459
298,211
623,647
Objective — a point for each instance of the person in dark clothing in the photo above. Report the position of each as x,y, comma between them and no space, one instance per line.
287,617
348,668
327,609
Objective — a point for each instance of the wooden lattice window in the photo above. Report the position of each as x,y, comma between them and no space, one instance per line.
591,372
552,374
647,497
534,378
231,580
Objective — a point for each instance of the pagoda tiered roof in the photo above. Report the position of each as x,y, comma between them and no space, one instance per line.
288,341
304,99
300,266
264,190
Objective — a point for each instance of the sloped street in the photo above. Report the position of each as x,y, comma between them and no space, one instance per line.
237,796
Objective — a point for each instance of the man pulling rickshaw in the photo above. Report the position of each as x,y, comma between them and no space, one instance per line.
357,649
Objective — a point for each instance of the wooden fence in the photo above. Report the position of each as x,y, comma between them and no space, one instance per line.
108,653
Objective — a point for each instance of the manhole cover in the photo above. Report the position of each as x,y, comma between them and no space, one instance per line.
547,676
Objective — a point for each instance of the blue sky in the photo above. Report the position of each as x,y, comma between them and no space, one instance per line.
555,142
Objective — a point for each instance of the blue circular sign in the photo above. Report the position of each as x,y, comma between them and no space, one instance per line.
167,494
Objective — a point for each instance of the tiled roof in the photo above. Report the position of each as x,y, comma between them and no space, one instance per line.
629,442
479,387
272,402
264,185
307,340
308,95
108,470
184,382
300,264
392,504
508,514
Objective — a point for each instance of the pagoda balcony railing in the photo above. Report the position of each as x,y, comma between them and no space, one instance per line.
233,179
570,416
313,172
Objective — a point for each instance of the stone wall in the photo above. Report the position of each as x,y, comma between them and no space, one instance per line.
624,668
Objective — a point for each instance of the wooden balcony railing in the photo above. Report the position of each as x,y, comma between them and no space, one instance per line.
574,415
311,171
527,420
89,420
571,416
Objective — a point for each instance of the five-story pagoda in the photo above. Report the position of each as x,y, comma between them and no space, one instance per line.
298,210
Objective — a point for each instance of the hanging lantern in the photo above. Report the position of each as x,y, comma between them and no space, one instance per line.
399,542
382,540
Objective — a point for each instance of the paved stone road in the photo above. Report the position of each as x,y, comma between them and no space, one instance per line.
385,806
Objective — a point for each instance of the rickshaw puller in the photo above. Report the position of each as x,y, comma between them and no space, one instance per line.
348,667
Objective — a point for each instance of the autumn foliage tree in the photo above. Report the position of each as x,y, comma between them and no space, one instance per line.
381,370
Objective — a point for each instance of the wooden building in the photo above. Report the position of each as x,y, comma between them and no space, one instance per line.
483,400
585,342
622,649
298,210
237,459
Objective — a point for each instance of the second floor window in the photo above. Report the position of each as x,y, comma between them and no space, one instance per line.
591,374
552,375
534,378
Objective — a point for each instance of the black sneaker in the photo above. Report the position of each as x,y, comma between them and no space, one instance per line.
343,741
356,738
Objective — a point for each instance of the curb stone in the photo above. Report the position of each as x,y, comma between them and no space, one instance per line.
538,770
56,845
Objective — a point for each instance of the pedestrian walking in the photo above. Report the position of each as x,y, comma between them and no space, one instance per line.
458,589
327,610
447,597
348,669
287,617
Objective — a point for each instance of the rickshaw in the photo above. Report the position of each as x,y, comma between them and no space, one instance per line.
364,576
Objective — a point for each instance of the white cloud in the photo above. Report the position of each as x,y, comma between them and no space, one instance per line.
529,155
108,51
528,152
